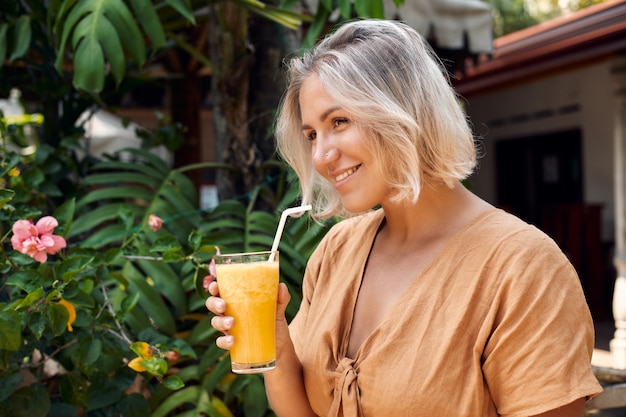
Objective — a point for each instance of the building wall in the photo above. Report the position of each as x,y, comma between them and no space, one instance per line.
576,98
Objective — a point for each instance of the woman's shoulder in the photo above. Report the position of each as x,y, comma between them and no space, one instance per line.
502,224
507,236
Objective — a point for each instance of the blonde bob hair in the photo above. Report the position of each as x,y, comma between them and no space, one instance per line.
386,76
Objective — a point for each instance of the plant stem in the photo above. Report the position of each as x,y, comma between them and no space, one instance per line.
122,335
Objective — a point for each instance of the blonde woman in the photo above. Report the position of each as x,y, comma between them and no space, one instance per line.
426,300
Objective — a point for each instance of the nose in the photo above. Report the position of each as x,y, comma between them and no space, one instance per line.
323,155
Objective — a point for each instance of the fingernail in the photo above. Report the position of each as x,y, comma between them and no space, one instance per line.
220,305
229,340
228,322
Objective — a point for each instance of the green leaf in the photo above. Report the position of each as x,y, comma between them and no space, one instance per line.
198,279
167,282
22,37
203,333
72,266
150,22
345,6
156,366
12,162
122,192
107,235
254,398
181,346
91,220
105,40
10,331
5,196
3,41
129,302
370,8
127,216
30,401
320,20
31,299
285,18
150,159
89,68
184,8
34,177
222,369
165,243
134,405
195,240
36,324
122,177
173,382
58,316
28,280
150,300
95,27
64,214
131,167
79,298
8,384
103,392
193,394
89,351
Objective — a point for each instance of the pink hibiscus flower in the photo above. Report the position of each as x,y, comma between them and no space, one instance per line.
154,222
37,240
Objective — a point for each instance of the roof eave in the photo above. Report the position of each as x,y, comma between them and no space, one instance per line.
577,39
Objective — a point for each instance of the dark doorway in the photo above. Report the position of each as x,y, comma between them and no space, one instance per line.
539,171
540,179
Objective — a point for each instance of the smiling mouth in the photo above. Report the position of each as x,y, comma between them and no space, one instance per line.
347,173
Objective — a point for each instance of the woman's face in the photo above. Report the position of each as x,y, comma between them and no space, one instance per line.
338,148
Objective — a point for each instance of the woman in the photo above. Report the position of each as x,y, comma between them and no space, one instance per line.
435,303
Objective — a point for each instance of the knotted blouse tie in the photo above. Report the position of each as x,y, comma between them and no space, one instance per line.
346,395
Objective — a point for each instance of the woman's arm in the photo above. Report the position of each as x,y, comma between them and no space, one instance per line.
284,384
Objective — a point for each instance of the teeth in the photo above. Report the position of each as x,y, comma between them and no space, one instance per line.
345,174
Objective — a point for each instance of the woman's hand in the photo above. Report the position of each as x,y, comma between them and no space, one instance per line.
220,322
223,323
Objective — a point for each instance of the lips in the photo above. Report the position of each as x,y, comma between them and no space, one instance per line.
347,173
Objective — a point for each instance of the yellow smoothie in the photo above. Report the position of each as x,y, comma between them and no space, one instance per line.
250,291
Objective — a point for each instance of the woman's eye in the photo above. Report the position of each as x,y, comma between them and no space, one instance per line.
310,135
340,121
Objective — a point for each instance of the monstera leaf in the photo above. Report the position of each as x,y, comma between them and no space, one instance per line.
109,35
104,33
21,35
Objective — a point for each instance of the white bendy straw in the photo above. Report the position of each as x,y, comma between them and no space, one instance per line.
294,212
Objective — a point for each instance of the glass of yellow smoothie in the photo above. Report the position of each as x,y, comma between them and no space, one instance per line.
248,282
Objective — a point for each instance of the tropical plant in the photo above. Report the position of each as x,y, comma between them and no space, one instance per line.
114,323
70,55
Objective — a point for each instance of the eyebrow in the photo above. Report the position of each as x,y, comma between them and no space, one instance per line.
324,115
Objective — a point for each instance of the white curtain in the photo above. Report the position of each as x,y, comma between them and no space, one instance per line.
448,21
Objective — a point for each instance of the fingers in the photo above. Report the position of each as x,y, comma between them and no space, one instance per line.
222,323
213,288
225,342
283,294
215,305
283,300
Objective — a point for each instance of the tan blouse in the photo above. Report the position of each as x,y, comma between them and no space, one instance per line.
496,325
